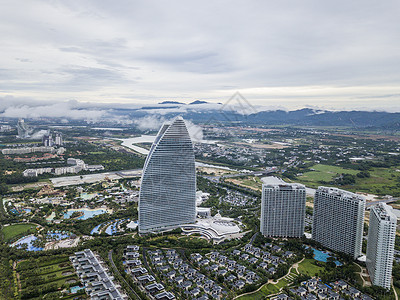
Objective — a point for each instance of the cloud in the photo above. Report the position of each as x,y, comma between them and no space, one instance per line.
38,134
56,110
152,122
143,52
195,131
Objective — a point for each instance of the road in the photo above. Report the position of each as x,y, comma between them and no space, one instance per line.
146,265
253,237
117,271
382,201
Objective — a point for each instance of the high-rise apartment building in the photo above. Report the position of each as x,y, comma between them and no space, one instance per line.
23,129
283,208
47,140
380,247
338,220
58,139
167,196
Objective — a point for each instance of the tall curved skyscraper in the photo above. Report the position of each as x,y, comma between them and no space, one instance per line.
168,188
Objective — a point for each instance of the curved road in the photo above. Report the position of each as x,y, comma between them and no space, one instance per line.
253,237
117,271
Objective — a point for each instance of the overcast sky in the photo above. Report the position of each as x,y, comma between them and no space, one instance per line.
327,54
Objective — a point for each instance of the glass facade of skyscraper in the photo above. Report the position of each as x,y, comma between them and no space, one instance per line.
168,188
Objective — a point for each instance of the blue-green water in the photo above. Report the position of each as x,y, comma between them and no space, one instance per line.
75,289
323,256
87,214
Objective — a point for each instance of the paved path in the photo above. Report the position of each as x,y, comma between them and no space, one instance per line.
295,266
19,289
117,271
365,283
395,293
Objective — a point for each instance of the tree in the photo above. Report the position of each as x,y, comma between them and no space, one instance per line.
3,189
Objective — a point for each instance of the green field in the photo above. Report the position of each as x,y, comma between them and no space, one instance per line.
383,181
45,276
266,290
308,267
11,231
252,182
324,173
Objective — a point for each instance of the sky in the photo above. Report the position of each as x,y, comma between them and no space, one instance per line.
337,55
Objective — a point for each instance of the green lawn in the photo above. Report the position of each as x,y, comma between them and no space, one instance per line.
308,267
45,275
53,268
397,291
266,290
253,182
255,296
11,231
383,181
56,262
325,173
48,277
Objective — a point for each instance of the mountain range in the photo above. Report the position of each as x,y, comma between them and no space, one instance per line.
301,117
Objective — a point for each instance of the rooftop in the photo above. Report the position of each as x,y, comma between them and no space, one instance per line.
385,212
278,183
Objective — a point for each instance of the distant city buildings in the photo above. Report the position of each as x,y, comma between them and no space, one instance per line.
168,189
23,129
75,166
338,220
380,247
58,139
49,141
283,207
5,128
26,150
34,158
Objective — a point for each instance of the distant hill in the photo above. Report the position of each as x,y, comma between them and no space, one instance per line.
301,117
198,102
171,102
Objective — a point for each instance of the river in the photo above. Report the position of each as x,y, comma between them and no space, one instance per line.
129,143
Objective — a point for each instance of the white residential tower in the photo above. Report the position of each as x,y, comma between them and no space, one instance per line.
380,247
339,220
283,208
